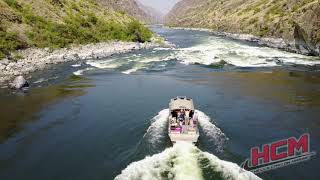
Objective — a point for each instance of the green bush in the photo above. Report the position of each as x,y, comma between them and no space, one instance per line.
77,27
276,10
256,10
253,20
138,32
318,38
81,28
263,31
8,42
13,4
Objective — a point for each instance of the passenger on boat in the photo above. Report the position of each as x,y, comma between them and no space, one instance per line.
187,117
191,123
195,118
181,116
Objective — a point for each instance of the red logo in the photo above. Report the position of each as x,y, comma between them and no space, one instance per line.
279,154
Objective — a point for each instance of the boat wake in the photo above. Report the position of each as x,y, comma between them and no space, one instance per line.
183,161
211,133
156,134
155,137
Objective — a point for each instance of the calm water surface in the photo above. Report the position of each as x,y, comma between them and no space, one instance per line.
91,119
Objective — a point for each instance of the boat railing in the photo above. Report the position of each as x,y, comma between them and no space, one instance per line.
189,128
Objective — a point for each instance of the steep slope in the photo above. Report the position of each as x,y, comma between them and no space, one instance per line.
58,23
133,8
296,21
155,15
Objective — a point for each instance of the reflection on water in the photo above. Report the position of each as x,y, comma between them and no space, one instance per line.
18,108
290,87
104,130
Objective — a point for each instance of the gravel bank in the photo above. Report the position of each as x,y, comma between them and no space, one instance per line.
35,59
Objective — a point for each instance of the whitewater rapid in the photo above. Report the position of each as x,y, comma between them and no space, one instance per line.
183,161
208,50
215,50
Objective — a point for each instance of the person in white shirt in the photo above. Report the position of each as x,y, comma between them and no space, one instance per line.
187,117
195,118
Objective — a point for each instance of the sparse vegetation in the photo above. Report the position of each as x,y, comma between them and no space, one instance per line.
15,56
263,31
265,18
137,32
275,10
77,26
318,38
8,42
253,20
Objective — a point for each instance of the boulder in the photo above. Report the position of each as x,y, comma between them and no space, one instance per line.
2,67
19,82
71,57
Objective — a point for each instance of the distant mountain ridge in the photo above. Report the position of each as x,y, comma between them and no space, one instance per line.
295,21
134,8
155,15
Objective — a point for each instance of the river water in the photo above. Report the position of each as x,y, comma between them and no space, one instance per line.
106,118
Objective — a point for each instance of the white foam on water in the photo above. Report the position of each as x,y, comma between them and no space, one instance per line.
129,71
197,54
215,50
229,170
153,59
76,65
145,63
212,133
135,55
81,71
156,131
40,80
133,63
44,80
161,48
181,162
136,67
105,64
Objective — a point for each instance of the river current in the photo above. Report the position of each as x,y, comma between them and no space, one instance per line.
106,118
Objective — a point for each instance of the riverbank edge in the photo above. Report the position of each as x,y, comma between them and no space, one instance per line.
37,59
278,43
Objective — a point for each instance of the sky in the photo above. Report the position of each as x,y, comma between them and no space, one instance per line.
163,6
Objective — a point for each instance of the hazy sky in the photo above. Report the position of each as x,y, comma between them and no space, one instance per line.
161,5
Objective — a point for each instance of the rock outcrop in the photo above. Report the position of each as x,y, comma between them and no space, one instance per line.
294,23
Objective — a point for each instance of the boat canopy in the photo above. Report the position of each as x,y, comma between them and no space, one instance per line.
181,103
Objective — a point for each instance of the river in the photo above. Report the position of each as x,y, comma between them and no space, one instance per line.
106,118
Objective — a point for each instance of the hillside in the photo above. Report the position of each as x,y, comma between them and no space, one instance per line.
296,21
59,23
155,15
133,8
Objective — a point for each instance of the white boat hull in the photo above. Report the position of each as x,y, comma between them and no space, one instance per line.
182,121
192,138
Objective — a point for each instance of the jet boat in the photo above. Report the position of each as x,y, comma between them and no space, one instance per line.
182,121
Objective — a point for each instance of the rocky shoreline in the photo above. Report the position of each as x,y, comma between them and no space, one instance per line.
36,59
279,43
